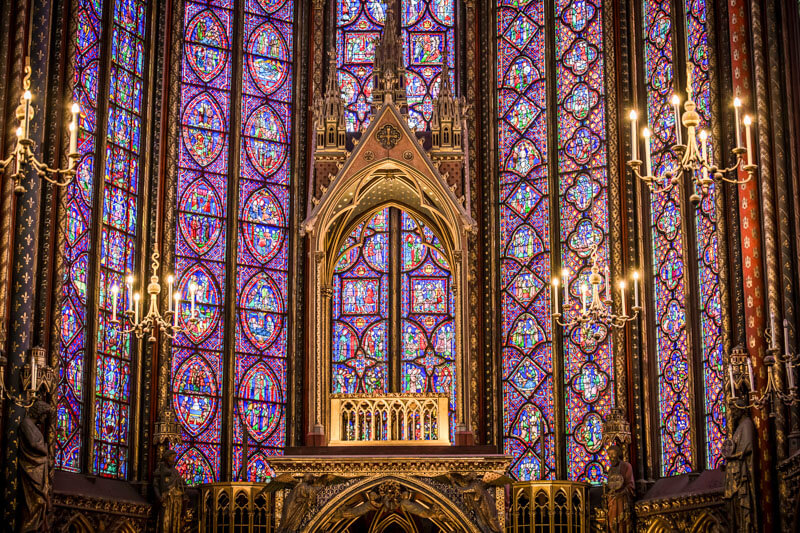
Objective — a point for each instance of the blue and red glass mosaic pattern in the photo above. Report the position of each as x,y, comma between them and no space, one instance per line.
118,234
668,262
528,400
708,266
583,191
361,309
358,26
428,41
197,365
262,284
427,306
80,193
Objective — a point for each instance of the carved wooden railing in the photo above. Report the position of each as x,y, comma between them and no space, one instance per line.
548,507
390,419
236,507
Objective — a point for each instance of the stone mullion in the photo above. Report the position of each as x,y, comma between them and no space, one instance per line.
616,169
492,321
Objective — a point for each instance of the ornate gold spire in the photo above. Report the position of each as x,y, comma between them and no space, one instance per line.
329,114
446,120
389,73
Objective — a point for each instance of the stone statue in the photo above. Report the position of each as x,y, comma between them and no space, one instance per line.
169,488
619,492
740,472
301,498
477,498
34,467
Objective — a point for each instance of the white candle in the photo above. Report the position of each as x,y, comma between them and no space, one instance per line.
584,296
622,297
790,374
555,296
736,105
170,281
34,370
733,385
27,120
177,297
129,284
676,106
636,289
773,332
747,122
73,129
648,165
750,375
136,308
114,296
704,144
785,337
608,284
193,294
565,277
634,140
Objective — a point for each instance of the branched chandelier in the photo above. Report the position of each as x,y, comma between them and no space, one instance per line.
154,319
22,154
694,161
595,309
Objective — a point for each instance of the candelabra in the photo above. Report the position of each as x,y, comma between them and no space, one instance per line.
36,374
774,391
154,319
594,309
23,155
693,162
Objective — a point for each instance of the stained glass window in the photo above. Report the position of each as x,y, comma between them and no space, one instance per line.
368,262
583,186
205,189
80,193
116,242
263,255
358,26
427,306
668,248
581,206
428,41
361,309
708,271
197,358
527,373
428,32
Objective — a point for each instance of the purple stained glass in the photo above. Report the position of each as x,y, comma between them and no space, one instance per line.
708,271
358,25
197,355
427,307
428,41
118,234
70,410
262,273
583,186
527,373
668,263
361,309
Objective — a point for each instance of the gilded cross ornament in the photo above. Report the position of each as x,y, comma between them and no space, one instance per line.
388,136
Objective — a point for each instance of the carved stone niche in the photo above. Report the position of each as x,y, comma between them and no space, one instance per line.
387,168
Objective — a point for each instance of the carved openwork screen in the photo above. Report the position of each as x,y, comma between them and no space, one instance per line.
393,310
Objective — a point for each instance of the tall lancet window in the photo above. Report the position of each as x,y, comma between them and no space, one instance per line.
428,32
95,387
546,189
238,271
671,278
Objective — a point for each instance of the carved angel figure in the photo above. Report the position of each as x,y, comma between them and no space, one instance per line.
169,489
34,466
477,498
301,498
